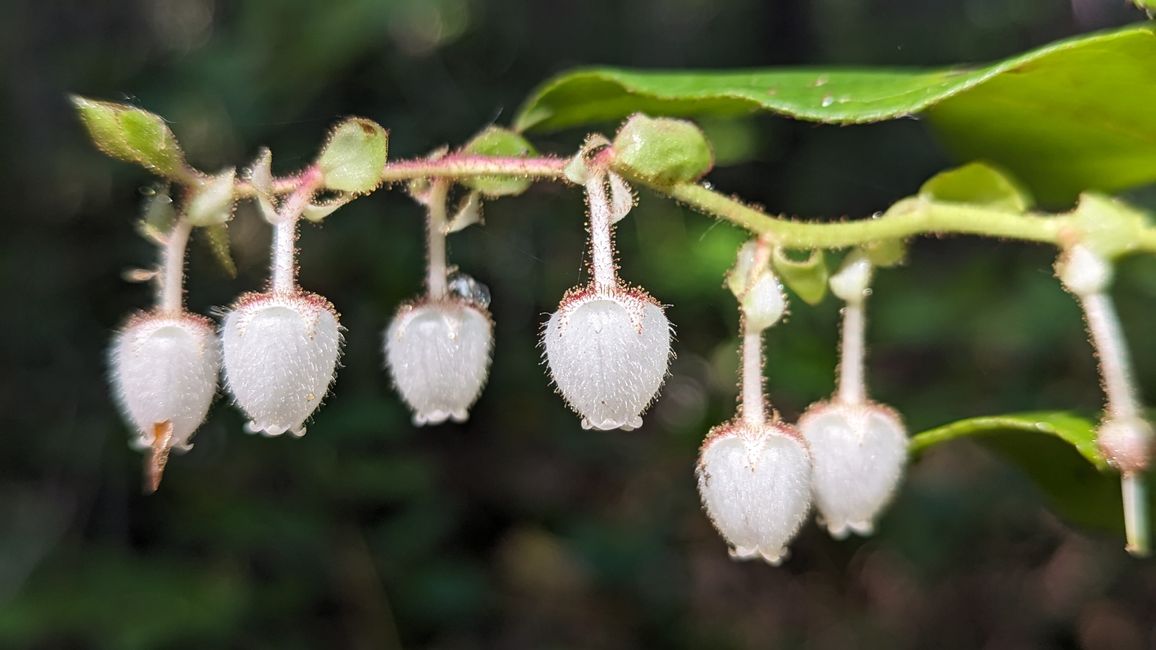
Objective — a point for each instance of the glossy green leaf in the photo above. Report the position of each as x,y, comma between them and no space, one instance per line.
1057,451
977,184
496,141
1073,115
133,135
353,159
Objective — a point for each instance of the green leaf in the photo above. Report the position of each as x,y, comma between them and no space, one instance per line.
1057,451
217,237
807,278
496,141
353,159
133,135
977,184
1076,431
661,150
1069,116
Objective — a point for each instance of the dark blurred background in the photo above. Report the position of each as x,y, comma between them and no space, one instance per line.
518,529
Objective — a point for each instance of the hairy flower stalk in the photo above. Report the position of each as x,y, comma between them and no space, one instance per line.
859,446
281,347
438,347
607,346
1124,435
754,475
165,364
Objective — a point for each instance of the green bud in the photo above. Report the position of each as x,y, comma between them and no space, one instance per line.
662,151
1109,227
133,135
496,141
353,159
807,278
978,184
886,253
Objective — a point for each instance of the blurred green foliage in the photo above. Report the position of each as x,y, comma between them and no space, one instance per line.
518,529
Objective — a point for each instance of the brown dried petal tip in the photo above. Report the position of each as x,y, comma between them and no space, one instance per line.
158,455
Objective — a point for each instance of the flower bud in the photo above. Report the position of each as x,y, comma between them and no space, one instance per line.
164,372
764,303
1083,272
608,353
859,451
852,280
438,354
280,356
1126,443
755,483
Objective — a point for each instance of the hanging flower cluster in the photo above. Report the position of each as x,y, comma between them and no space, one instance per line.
438,346
758,475
165,363
607,347
754,472
1124,435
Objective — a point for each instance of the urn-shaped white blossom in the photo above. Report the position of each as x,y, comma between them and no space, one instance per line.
608,353
859,452
164,372
755,483
438,352
280,355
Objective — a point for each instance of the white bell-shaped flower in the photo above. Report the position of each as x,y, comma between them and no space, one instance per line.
859,451
280,355
608,353
164,372
438,354
755,483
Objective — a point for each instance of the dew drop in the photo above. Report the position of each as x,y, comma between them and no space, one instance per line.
827,101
